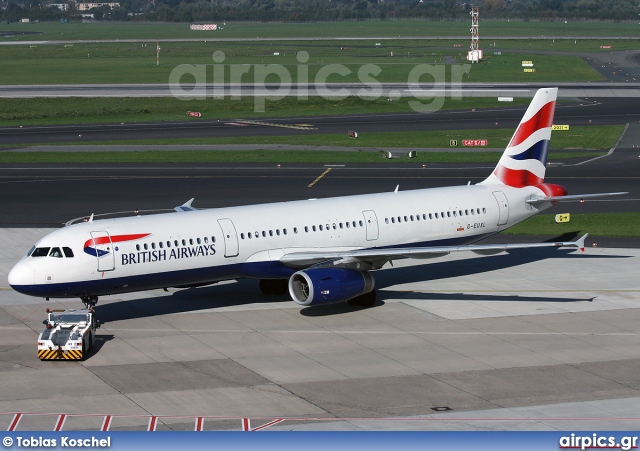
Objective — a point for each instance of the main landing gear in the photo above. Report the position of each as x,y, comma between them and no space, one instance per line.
274,286
89,301
364,300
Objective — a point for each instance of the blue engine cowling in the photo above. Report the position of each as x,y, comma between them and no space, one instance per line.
328,285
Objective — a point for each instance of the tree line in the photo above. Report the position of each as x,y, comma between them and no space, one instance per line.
325,10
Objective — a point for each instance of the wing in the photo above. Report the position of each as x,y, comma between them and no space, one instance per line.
375,258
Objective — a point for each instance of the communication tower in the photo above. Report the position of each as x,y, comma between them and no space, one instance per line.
475,54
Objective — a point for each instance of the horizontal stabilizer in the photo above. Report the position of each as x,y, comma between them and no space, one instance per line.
186,206
574,197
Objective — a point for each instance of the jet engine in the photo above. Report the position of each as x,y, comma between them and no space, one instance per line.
329,285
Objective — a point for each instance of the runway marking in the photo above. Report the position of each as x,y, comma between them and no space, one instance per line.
271,124
319,177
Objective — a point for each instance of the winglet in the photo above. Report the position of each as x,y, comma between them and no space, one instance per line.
186,206
580,242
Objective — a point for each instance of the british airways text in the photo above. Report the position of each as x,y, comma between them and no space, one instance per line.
133,258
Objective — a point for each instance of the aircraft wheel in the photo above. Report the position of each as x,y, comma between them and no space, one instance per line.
274,286
364,300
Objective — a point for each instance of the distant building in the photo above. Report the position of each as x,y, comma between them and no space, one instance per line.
86,6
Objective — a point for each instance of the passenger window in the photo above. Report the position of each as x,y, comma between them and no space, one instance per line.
278,232
55,252
206,240
175,242
361,223
198,241
168,243
386,220
284,231
41,252
242,236
264,234
137,247
191,241
160,245
320,227
67,252
455,214
347,224
145,246
306,229
430,216
313,228
334,226
153,245
393,220
184,242
484,210
270,232
213,239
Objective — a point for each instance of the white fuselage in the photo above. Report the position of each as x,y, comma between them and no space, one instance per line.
199,247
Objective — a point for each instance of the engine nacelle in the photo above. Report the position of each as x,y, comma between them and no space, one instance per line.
329,285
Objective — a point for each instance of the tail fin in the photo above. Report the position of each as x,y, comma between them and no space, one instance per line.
524,160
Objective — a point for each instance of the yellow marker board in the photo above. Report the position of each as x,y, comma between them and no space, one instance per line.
529,70
453,142
559,127
563,217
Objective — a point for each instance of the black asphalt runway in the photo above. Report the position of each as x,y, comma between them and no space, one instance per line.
50,195
601,111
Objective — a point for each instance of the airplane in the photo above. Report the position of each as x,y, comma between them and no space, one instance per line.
321,251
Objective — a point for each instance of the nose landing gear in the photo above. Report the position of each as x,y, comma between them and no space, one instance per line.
89,301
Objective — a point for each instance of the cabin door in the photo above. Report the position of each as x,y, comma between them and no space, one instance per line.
503,207
371,223
102,247
230,237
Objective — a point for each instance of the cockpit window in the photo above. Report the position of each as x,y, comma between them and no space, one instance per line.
55,252
67,252
33,248
40,252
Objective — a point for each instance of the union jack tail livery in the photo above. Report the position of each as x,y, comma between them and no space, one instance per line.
524,160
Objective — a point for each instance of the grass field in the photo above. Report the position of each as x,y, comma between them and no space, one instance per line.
136,63
596,224
80,110
489,28
260,156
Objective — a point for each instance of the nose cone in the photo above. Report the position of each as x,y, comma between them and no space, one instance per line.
21,277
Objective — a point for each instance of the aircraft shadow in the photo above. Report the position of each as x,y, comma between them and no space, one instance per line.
245,292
